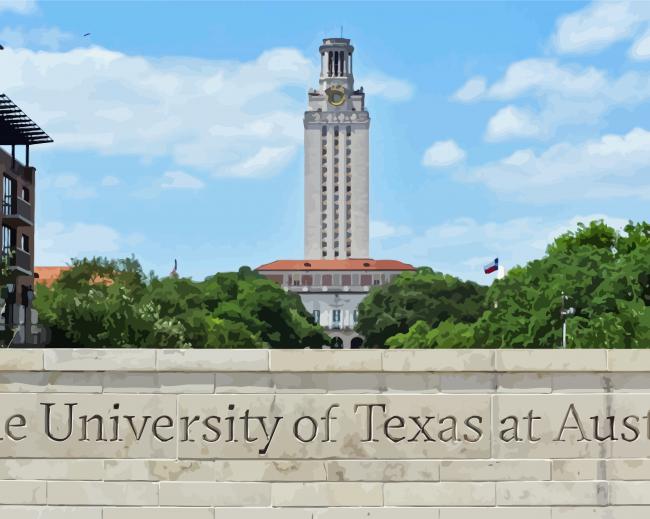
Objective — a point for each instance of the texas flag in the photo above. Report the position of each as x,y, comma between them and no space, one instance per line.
492,267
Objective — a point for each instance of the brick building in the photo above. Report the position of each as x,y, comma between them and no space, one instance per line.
18,196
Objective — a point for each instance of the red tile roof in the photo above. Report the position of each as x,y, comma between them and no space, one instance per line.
342,264
48,275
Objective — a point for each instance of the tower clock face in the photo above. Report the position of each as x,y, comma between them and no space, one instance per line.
336,95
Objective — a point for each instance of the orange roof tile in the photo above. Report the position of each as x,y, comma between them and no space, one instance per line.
48,275
342,264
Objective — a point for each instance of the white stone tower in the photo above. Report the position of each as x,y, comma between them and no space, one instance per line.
336,160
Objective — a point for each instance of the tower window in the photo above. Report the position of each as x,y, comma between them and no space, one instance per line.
348,130
324,131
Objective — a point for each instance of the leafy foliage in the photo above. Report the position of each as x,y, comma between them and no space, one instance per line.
606,275
112,303
423,295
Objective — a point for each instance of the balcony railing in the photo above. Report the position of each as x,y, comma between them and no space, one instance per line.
329,288
17,212
19,260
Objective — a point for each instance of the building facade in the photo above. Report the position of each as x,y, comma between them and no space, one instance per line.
336,159
18,193
336,274
331,290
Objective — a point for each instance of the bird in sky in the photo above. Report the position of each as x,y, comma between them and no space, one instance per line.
87,34
1,47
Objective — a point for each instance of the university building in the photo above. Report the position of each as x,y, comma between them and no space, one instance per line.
17,221
336,273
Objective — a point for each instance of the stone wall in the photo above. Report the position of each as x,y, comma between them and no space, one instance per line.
322,434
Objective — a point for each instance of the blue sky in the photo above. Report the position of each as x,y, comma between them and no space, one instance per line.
178,126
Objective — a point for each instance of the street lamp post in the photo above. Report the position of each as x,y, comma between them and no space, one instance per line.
564,314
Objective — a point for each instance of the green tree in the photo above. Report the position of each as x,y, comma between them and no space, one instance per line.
607,277
423,295
111,303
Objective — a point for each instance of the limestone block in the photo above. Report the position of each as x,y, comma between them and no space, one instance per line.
158,513
159,470
22,492
580,383
51,512
327,494
630,469
51,382
468,382
549,413
551,360
270,470
495,470
86,359
34,442
101,493
51,469
422,512
524,383
579,470
301,382
438,360
243,382
180,493
383,470
629,492
551,493
628,360
131,382
601,512
263,513
496,513
439,494
213,360
630,382
303,431
356,383
411,382
325,360
21,359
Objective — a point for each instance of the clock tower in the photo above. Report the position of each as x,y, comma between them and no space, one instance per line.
336,160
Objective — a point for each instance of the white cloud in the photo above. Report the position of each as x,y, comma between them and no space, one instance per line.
266,160
558,95
512,122
18,6
473,89
380,230
599,25
467,244
609,167
50,38
545,76
69,186
180,180
640,50
381,85
227,118
442,154
110,181
57,244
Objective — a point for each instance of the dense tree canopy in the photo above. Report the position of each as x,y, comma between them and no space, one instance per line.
604,273
423,295
112,303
